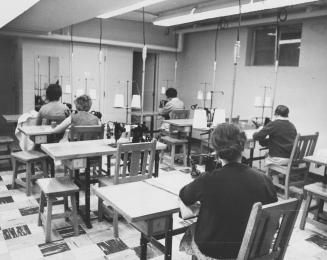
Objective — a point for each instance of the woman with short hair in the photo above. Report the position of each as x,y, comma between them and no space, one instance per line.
226,196
82,117
54,110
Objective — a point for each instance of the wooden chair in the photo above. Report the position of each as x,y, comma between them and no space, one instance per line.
140,155
269,230
51,188
180,114
7,142
29,158
296,171
84,133
316,191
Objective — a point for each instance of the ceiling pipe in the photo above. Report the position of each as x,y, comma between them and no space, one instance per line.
245,23
67,38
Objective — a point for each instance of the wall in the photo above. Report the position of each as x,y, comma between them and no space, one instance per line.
301,88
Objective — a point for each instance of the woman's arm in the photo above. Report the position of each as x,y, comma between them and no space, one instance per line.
63,125
192,192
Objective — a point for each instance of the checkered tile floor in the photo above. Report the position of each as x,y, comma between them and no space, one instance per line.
21,238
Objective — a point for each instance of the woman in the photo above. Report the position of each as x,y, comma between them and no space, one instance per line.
53,110
82,117
226,196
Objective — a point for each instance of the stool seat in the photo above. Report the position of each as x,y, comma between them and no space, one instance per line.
28,156
171,140
57,186
6,139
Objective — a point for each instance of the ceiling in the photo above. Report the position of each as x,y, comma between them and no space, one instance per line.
52,15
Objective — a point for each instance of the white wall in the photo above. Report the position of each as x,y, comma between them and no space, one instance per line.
301,88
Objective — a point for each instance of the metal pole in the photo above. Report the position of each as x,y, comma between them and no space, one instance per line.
144,53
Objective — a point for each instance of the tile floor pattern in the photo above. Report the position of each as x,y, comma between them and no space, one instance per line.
21,238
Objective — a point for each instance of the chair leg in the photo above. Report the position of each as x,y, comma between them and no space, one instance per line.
115,223
41,209
201,152
28,178
172,162
74,214
14,174
66,208
9,147
185,155
306,210
48,221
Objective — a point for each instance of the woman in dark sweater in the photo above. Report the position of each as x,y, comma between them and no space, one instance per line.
226,196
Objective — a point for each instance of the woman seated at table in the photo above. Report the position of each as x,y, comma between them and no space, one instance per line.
54,110
82,117
226,196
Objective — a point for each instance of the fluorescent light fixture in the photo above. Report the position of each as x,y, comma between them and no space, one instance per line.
10,9
227,11
129,8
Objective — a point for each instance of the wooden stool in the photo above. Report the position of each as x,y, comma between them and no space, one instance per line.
173,142
318,191
29,158
51,188
6,141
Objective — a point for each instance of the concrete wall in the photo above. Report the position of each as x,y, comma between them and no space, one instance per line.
302,88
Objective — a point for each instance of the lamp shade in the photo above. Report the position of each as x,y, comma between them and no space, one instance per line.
208,95
219,117
163,90
200,95
258,102
119,100
200,118
268,102
136,101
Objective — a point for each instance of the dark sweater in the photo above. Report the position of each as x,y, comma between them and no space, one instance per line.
227,196
281,134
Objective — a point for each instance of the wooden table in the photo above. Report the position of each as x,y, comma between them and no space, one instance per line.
75,156
154,220
37,133
322,161
319,160
11,119
150,114
185,125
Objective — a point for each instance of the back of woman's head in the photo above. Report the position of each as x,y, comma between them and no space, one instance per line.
83,103
228,140
53,92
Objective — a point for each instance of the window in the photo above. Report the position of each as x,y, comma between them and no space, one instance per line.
262,45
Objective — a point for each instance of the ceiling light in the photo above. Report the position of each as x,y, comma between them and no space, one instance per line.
129,8
227,11
10,9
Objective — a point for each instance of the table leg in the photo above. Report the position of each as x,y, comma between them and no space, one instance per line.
169,238
156,164
189,147
144,245
325,176
87,194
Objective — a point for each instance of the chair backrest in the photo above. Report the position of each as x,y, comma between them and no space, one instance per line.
304,145
269,230
135,160
235,120
180,114
83,133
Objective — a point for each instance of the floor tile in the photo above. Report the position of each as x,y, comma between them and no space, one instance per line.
54,247
112,246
